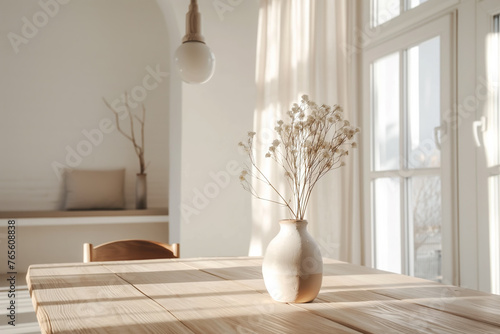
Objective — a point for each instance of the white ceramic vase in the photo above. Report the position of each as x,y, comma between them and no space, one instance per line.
292,266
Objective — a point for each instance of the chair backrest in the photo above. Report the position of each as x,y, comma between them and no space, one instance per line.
123,250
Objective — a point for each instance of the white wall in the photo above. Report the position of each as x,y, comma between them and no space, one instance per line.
215,117
51,89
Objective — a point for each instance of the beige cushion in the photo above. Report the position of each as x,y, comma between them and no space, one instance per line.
94,189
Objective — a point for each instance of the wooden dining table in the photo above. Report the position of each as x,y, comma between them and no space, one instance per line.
228,295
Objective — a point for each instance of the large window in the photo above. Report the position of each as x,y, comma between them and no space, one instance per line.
410,152
431,103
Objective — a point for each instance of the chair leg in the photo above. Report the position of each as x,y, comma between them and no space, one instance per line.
176,250
87,252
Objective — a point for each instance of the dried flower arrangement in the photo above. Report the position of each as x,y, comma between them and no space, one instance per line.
139,148
314,142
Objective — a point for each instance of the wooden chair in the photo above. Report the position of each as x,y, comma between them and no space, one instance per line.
123,250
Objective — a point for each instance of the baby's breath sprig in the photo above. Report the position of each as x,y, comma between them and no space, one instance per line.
314,141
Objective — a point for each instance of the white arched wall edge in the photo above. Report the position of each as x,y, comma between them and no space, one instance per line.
206,123
175,124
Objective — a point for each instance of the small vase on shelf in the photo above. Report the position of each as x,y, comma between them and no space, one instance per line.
141,192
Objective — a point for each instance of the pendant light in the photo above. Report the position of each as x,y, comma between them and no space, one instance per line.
194,59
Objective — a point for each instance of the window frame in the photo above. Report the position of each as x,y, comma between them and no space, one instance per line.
369,35
404,6
441,26
485,14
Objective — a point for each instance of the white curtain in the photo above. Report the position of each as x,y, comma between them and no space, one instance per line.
301,50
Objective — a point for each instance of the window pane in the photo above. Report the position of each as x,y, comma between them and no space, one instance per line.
423,68
385,10
494,232
385,97
387,224
415,3
425,219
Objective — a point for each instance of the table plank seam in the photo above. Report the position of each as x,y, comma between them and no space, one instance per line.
461,315
355,328
470,318
156,302
222,277
41,315
291,304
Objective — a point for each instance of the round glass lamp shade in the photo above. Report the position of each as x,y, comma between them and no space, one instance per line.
195,62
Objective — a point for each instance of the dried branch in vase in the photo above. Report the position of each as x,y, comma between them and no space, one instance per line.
138,147
314,141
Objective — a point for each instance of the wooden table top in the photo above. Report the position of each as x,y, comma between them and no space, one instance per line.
227,295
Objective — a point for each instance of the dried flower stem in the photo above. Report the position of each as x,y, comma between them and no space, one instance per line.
262,177
139,148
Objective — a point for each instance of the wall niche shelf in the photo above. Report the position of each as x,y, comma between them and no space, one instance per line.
86,217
